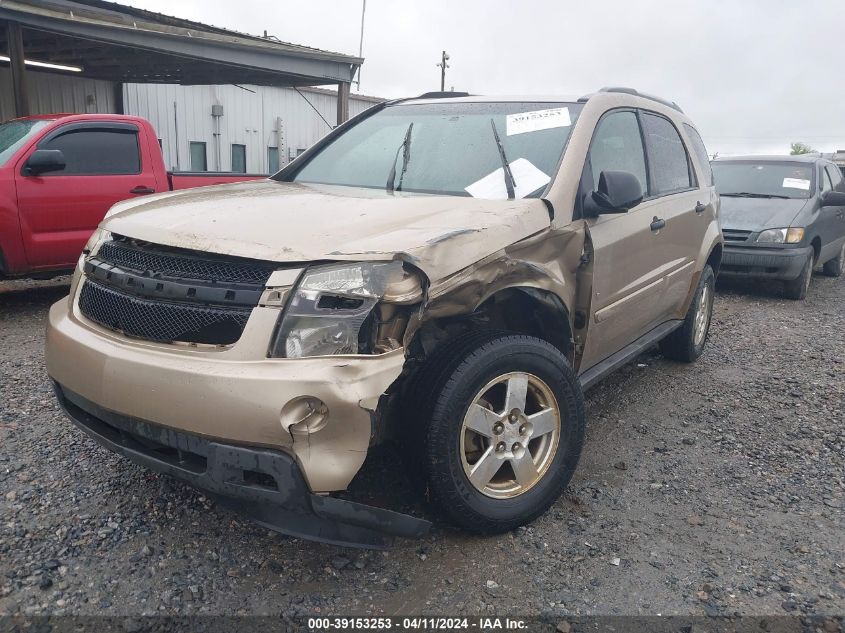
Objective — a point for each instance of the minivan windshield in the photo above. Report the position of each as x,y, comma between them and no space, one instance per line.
453,148
764,179
13,134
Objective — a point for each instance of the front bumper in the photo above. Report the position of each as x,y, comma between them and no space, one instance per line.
264,484
237,396
773,263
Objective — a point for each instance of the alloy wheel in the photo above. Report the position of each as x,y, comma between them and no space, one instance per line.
702,315
510,435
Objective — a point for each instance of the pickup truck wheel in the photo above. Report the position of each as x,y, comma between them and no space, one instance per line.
834,267
502,420
686,343
797,288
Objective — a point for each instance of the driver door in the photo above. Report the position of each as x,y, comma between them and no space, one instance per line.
59,210
629,271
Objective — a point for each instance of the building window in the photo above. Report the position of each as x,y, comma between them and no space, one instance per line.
273,159
239,158
199,161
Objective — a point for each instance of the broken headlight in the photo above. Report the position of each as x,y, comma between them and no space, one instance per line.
331,310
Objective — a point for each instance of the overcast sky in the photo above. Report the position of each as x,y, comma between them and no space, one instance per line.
754,75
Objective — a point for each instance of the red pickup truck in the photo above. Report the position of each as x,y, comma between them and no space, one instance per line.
60,174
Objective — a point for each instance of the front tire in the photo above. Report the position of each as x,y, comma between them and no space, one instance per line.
501,425
797,288
834,267
686,343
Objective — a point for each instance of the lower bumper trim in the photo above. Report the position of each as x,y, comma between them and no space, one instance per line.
785,264
265,485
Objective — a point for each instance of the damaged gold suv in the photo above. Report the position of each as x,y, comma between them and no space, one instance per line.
450,273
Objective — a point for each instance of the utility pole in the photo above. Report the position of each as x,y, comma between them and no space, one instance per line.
361,41
443,66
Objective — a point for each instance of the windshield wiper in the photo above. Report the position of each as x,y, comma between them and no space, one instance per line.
748,194
510,183
405,148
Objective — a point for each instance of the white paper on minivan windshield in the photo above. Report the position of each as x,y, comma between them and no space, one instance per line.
796,183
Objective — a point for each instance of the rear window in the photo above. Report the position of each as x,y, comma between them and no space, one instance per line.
700,153
667,157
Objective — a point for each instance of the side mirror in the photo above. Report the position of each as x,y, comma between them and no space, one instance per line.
618,191
43,161
833,199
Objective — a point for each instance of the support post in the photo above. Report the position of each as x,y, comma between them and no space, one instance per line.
343,101
119,107
14,36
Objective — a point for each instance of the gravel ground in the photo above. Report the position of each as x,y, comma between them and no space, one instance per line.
716,488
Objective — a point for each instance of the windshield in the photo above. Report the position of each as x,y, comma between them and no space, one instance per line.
13,134
764,179
450,148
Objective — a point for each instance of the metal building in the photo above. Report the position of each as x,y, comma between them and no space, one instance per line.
256,129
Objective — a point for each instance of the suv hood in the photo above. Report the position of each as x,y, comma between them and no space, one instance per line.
294,222
758,214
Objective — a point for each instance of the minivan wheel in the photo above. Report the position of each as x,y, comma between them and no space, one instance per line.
686,343
834,267
502,425
797,288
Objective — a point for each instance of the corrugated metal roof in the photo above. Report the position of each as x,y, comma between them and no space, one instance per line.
140,19
114,42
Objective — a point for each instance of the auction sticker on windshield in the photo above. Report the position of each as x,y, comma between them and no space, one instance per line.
536,120
796,183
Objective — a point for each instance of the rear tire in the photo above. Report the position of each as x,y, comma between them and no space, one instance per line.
686,343
834,267
797,288
491,480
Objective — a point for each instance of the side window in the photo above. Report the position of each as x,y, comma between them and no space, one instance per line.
824,179
700,153
835,177
618,146
667,158
98,151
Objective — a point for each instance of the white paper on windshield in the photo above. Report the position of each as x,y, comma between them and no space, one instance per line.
523,122
492,187
796,183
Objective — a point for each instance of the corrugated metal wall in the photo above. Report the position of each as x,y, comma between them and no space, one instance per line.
51,93
183,114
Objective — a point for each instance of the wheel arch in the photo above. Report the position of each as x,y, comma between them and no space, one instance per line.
816,243
714,259
523,309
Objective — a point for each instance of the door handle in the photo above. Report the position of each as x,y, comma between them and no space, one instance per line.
141,190
657,223
699,208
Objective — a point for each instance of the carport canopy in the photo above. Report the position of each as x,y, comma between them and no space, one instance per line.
114,42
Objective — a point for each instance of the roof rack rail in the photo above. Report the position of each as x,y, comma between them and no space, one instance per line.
636,93
443,95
